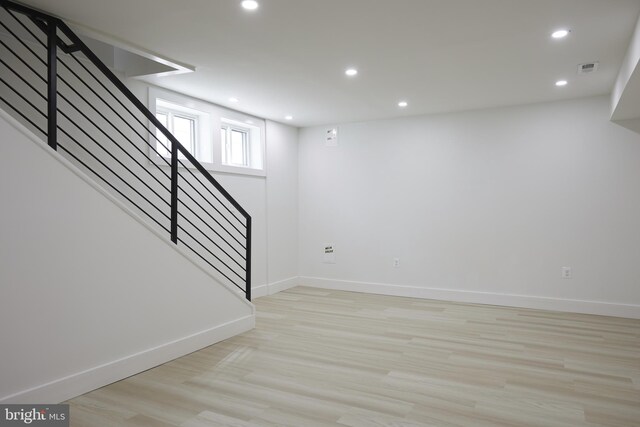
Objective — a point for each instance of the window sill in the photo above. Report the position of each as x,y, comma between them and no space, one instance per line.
239,170
212,167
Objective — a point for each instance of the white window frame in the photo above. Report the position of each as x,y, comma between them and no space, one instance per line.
255,145
171,113
227,145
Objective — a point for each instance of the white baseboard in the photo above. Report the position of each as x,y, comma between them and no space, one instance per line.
82,382
274,288
526,301
283,285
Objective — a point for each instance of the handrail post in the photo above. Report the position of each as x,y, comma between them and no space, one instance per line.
174,193
248,259
52,90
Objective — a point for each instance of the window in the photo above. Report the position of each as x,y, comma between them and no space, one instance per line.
182,126
241,147
190,126
221,140
235,145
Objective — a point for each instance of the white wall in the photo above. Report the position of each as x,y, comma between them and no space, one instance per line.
90,294
482,206
282,206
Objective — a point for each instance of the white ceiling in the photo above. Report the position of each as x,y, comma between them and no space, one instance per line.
289,56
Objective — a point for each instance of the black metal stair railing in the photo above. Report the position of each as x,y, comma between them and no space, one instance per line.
52,82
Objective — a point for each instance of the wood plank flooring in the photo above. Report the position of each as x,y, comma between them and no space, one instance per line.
326,358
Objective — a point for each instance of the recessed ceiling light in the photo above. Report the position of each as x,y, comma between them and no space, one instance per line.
561,83
402,104
351,72
233,99
560,34
250,4
288,117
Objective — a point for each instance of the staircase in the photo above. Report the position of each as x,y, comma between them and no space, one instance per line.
113,258
60,90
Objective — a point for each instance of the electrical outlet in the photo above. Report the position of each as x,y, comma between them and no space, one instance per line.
566,273
396,262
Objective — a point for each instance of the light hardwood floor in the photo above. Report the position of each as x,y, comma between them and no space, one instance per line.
321,358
